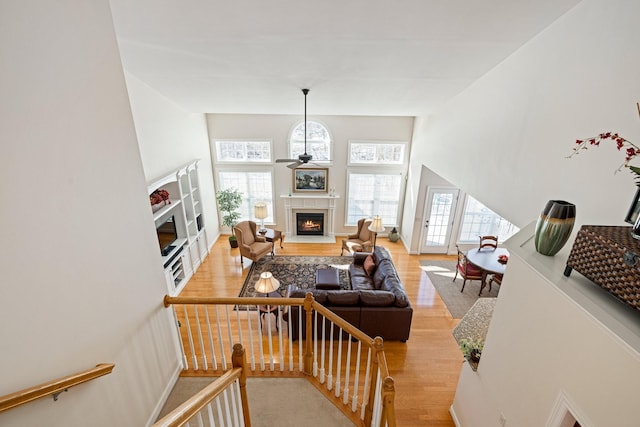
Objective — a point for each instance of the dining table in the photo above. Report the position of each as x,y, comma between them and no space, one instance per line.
488,259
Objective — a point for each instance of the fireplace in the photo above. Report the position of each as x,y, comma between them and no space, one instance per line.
309,224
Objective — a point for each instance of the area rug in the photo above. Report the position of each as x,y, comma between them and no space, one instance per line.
441,274
295,270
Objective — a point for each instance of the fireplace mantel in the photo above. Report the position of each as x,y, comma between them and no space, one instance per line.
309,203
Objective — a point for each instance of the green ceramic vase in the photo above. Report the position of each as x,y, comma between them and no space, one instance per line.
554,226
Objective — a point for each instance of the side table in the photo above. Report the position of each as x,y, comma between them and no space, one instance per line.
273,236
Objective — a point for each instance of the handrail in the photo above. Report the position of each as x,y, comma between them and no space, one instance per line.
183,413
365,384
53,387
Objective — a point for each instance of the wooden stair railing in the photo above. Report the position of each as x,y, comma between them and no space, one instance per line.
345,364
192,407
53,387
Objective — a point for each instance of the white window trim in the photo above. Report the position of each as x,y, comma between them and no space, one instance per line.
216,160
400,165
251,168
376,170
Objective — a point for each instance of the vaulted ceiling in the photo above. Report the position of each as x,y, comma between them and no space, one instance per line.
358,57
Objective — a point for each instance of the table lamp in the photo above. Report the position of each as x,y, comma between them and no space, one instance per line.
376,226
260,212
267,283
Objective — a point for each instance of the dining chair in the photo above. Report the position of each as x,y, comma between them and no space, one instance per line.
489,242
467,270
497,278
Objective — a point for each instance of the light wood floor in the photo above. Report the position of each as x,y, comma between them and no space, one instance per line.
425,368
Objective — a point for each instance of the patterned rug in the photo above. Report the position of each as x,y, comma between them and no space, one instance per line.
441,274
295,270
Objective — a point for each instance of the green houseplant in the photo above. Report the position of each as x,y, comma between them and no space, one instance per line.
229,201
471,349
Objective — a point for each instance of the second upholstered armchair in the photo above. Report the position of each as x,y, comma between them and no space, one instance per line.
361,240
251,245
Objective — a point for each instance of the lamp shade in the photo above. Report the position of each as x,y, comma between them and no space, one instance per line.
267,283
260,210
376,225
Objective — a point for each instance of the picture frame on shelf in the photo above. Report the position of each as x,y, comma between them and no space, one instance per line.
310,180
634,209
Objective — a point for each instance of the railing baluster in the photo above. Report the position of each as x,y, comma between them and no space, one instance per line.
227,409
347,372
229,331
214,362
212,420
290,335
315,344
354,400
200,339
220,412
223,354
261,340
271,361
185,364
322,369
193,352
331,349
251,352
280,342
300,354
239,323
339,363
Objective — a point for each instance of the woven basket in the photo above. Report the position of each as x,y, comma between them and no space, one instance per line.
608,256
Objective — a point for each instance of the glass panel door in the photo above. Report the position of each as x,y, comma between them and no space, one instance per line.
438,219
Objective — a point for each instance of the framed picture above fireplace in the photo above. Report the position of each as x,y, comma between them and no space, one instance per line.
310,180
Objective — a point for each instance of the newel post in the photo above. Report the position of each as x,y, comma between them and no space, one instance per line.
239,360
388,417
308,348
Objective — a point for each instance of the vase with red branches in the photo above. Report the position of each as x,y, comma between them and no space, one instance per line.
159,196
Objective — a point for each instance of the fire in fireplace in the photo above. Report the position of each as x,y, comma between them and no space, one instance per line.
309,224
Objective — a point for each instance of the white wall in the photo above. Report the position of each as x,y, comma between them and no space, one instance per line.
169,137
504,140
82,281
551,335
278,128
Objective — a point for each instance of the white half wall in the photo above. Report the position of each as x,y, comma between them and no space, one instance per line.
505,139
168,138
82,279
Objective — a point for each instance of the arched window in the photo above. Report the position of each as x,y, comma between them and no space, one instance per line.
318,141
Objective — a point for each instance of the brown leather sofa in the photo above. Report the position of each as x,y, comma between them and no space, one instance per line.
377,303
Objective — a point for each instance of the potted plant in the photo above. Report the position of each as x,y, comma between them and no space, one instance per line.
229,201
471,349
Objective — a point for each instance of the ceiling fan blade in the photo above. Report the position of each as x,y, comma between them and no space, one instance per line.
295,165
286,160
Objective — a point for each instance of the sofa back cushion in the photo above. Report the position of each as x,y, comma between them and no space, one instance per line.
377,298
343,297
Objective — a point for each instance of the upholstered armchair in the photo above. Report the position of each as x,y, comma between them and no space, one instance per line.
251,245
361,240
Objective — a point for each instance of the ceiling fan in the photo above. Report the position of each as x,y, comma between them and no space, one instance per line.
305,158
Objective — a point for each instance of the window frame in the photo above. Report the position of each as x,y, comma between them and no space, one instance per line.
400,164
250,201
501,237
245,160
375,211
329,143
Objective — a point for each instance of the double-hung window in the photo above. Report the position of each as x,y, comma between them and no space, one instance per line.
375,180
240,164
